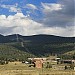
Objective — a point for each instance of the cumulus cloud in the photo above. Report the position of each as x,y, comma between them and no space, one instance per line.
58,19
21,24
60,14
18,23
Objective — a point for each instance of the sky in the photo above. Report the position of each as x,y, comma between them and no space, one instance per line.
33,17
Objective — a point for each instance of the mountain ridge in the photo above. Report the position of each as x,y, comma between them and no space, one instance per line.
40,37
36,45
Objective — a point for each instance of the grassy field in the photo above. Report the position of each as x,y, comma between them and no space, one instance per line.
17,68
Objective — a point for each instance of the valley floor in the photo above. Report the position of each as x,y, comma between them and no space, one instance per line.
19,68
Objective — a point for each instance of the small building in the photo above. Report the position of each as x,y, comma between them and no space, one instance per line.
67,61
38,62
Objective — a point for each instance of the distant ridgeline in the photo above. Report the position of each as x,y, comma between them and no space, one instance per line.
21,47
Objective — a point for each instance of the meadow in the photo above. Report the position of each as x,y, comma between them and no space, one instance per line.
18,68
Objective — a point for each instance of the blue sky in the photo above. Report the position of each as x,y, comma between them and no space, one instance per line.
32,17
37,2
21,4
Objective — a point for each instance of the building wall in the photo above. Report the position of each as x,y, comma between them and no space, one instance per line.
38,64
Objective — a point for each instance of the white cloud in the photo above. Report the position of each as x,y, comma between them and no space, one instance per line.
58,19
12,8
59,31
49,7
60,14
2,17
31,6
23,25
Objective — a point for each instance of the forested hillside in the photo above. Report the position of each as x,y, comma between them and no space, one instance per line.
22,47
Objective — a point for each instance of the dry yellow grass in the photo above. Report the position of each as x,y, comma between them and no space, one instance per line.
17,68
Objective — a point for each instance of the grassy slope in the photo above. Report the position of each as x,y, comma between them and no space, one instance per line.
10,51
15,50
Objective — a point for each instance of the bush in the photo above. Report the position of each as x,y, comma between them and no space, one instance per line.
2,62
66,67
48,65
7,62
72,66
